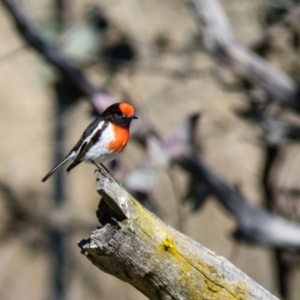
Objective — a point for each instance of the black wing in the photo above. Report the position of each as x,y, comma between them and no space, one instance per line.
88,131
83,146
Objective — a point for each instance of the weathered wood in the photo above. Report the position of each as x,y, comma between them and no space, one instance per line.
136,247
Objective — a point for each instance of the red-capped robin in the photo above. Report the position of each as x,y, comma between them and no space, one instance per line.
103,139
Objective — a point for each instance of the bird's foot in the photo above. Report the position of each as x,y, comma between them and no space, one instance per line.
109,175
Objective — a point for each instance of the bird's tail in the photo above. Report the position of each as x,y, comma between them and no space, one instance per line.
57,167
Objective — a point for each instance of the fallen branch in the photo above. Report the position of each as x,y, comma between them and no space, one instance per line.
135,246
254,224
220,42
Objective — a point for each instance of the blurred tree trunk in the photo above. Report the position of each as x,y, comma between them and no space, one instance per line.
136,247
58,236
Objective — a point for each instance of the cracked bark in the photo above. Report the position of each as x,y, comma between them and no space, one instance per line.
135,246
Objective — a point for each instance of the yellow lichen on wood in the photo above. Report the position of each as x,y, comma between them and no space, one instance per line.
236,289
210,283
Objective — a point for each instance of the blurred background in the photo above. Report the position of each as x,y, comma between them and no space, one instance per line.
63,61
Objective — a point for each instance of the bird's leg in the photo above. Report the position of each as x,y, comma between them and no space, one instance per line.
103,170
96,165
108,172
100,169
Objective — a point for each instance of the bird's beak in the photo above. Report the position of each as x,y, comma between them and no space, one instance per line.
134,117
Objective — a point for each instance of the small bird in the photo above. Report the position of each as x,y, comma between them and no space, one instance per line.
103,139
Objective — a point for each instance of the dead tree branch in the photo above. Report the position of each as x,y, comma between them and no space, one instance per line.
136,247
255,224
71,75
70,72
220,43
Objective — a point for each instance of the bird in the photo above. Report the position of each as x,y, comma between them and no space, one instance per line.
102,140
